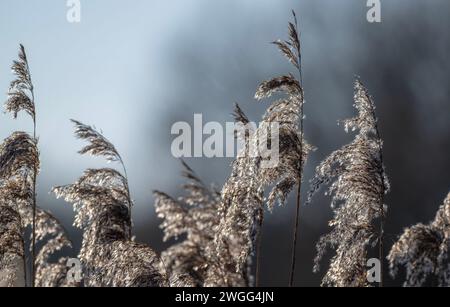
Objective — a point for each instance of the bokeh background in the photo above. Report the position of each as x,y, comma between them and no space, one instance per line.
133,68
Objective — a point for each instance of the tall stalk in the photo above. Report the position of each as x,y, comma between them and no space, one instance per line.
295,236
299,183
258,247
357,183
33,275
35,170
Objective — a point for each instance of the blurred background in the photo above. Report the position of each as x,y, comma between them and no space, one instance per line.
133,68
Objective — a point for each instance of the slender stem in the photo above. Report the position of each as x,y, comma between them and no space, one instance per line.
380,243
258,247
35,170
381,234
295,237
299,184
33,276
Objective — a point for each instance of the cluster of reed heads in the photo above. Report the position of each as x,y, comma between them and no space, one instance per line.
218,232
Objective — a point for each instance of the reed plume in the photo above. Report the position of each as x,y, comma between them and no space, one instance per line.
21,90
54,238
18,152
12,254
357,183
242,209
194,216
17,194
102,203
423,250
19,158
291,49
21,98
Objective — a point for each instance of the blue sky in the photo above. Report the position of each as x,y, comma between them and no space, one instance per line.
117,69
